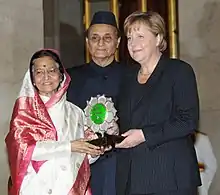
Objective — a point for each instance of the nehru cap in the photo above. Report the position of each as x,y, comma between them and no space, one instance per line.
104,17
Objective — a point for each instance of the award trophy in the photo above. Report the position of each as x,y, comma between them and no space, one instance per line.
100,113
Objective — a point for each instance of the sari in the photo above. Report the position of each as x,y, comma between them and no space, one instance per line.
37,155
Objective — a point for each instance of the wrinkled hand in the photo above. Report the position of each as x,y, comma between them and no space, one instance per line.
133,138
90,135
82,146
113,128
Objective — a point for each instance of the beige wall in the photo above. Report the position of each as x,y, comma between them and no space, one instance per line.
21,33
71,29
200,46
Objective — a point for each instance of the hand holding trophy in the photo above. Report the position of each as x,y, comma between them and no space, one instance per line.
101,119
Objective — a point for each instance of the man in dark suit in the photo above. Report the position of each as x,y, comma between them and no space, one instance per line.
101,76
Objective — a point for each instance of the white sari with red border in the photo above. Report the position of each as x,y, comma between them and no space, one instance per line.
38,144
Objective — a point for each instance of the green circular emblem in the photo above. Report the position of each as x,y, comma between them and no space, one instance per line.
98,113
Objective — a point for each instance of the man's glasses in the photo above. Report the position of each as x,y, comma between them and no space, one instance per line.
105,38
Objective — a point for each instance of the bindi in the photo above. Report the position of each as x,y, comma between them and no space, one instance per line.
44,66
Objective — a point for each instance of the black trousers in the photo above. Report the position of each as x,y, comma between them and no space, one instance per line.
176,192
103,175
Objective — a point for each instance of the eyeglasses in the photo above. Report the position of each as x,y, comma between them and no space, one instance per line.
41,72
105,38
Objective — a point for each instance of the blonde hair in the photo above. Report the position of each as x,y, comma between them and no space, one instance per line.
154,22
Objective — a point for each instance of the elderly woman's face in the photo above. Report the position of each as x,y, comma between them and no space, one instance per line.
142,43
46,75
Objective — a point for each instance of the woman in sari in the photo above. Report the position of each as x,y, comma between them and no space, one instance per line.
46,147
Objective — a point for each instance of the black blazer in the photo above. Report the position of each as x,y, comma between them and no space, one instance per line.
166,108
90,80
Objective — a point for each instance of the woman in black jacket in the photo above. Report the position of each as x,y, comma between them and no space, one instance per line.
158,111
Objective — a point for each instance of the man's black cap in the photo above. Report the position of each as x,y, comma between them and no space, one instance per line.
104,17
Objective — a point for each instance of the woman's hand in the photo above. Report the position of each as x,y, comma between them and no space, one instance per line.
90,135
133,138
82,146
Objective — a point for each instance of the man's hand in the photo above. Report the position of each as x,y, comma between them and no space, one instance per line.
113,128
90,135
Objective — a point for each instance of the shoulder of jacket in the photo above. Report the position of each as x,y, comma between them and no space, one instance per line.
77,69
179,67
179,64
